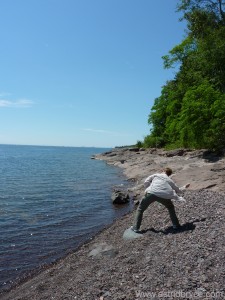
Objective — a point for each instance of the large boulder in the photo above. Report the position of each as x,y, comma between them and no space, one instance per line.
120,197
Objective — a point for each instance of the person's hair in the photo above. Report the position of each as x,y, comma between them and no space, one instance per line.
168,171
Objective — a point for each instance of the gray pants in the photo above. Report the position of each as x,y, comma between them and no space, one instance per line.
146,201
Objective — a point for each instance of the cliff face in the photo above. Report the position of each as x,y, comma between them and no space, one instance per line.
162,263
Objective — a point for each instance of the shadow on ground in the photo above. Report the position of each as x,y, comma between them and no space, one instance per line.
189,226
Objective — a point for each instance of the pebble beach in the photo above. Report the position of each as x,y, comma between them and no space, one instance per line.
162,263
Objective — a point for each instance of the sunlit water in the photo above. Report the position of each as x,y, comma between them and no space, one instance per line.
52,199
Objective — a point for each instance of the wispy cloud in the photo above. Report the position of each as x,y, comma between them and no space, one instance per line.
21,103
105,132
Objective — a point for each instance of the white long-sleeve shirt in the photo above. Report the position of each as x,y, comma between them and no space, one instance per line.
162,186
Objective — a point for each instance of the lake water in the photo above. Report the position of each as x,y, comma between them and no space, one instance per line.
52,199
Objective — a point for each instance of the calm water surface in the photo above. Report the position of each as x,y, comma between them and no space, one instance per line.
52,199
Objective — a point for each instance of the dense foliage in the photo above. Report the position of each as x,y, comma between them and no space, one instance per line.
190,112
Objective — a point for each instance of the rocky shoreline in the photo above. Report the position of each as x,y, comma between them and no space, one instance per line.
202,168
163,263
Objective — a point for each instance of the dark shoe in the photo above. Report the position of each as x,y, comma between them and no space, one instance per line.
135,230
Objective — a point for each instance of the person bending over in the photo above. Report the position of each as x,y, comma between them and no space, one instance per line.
161,188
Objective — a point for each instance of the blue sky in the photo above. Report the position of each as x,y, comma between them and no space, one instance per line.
82,72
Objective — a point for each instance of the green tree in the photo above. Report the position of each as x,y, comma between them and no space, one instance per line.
190,110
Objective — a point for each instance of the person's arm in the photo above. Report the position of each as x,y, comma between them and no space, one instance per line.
178,198
148,181
176,188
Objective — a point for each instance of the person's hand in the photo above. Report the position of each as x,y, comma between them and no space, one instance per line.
181,199
187,185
